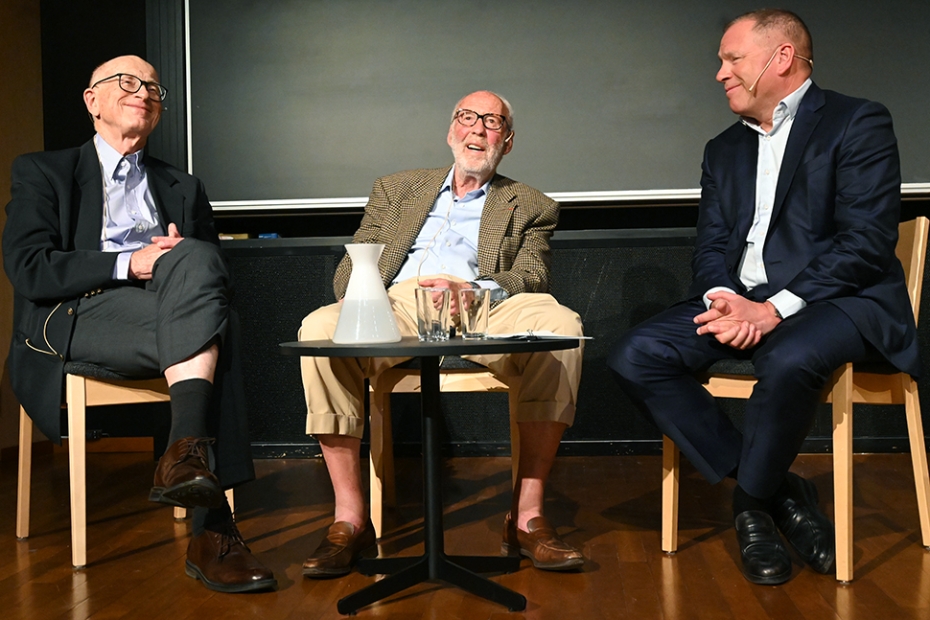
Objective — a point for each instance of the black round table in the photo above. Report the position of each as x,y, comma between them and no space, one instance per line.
434,564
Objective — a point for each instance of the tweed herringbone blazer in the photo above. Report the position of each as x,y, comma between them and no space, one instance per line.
513,238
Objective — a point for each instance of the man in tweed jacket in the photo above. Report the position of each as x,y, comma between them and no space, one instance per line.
465,227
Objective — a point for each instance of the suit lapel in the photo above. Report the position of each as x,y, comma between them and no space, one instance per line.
170,203
747,158
88,221
808,117
412,217
495,219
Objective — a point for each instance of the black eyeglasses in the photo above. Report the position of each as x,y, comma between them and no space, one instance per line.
132,84
494,122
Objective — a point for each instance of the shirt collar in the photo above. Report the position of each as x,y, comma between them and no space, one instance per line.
110,158
786,109
472,195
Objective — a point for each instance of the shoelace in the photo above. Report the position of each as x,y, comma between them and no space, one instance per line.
196,448
232,537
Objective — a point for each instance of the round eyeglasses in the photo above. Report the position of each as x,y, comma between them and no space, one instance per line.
132,84
493,122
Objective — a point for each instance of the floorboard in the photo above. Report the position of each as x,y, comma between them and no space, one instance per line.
608,506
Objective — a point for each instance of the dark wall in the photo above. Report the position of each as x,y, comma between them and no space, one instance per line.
77,36
613,279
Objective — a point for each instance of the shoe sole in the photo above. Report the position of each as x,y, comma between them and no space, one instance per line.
768,581
325,573
566,565
192,494
252,586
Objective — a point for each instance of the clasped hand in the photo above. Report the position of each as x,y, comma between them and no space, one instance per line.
454,288
736,321
142,261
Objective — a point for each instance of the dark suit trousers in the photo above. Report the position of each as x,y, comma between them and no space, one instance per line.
656,363
140,330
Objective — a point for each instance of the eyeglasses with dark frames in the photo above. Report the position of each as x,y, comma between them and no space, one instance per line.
132,84
468,118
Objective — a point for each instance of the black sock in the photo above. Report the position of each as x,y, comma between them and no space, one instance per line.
190,402
743,501
210,518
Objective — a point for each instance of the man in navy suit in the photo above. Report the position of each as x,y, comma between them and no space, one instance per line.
794,269
115,262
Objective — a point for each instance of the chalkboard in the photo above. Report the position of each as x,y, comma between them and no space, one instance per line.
314,99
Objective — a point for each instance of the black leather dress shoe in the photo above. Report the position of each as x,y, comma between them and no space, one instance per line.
807,529
765,558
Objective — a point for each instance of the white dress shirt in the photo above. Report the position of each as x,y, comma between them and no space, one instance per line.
771,152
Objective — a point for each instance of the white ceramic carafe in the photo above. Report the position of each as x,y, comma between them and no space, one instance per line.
366,316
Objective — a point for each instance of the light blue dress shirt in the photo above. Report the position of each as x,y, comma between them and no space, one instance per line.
448,242
130,218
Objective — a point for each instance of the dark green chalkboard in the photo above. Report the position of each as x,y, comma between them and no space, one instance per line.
297,99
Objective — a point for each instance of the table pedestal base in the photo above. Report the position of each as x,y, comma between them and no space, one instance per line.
456,570
434,564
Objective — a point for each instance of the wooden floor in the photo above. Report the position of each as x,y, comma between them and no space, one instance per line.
609,506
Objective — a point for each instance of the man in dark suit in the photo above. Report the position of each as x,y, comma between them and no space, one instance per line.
467,227
794,268
115,262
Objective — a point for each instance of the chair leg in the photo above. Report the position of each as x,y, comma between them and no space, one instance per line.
76,389
24,476
843,470
915,432
381,459
670,471
513,393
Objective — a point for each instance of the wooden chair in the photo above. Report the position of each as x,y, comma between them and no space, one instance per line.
86,385
456,375
870,384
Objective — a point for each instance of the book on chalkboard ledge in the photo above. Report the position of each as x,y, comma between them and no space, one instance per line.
228,236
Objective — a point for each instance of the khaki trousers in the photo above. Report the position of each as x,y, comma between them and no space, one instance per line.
334,387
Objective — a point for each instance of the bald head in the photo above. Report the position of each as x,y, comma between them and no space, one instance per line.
780,23
508,109
123,118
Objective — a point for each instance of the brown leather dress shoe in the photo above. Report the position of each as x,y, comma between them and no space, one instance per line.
339,550
183,476
223,562
541,544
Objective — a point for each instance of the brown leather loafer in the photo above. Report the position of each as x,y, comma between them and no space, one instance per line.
223,562
183,476
339,550
541,544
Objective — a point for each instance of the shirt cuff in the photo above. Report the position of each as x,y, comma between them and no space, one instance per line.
707,302
498,293
121,267
787,303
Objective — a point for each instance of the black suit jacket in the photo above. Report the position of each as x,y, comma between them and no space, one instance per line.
834,220
51,254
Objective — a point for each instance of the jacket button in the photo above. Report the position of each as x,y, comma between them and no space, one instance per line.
70,311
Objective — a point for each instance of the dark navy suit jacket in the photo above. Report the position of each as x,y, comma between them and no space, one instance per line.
834,222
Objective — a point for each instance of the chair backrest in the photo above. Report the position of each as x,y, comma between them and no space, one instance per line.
912,252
